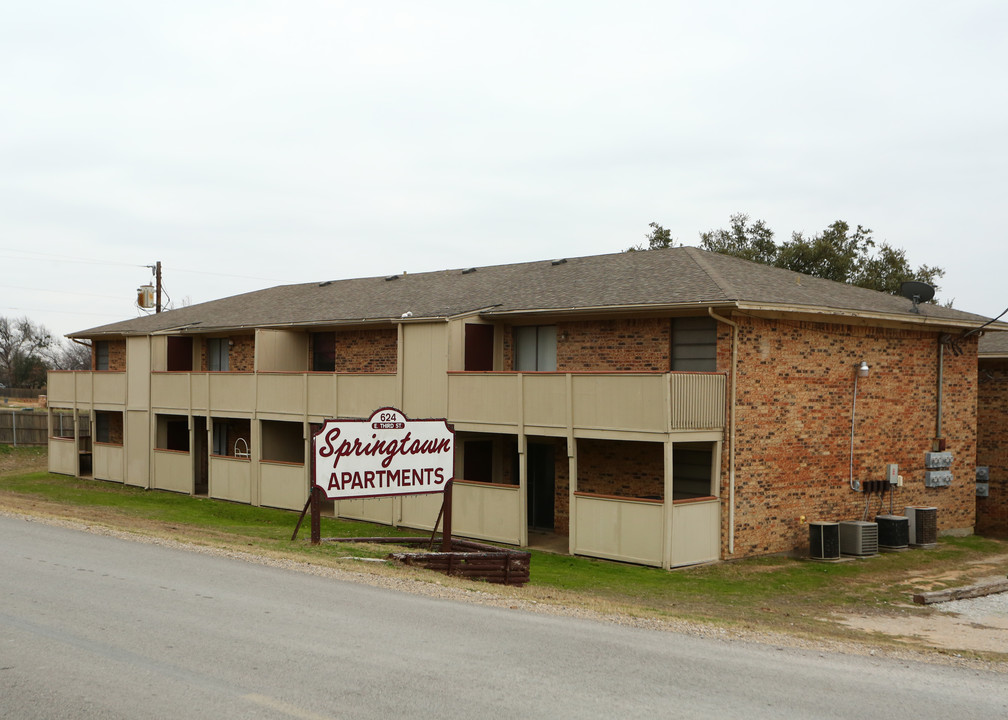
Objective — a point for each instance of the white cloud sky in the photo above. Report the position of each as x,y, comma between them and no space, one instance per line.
246,144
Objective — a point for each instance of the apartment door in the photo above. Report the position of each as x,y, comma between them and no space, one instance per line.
540,486
200,457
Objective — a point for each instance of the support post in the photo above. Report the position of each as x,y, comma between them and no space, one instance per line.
316,515
446,542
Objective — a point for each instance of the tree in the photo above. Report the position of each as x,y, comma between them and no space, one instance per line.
836,253
744,240
657,237
25,353
72,356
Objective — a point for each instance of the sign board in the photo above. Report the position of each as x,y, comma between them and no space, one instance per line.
387,454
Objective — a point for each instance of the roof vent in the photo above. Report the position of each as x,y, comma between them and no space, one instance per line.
391,277
561,261
468,270
327,283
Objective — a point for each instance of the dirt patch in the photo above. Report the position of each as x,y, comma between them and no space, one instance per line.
938,630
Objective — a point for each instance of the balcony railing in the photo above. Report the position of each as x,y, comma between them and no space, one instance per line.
547,402
69,388
635,402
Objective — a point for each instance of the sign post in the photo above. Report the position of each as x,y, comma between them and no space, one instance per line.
385,455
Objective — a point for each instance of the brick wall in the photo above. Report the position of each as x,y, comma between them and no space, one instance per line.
367,351
241,356
992,445
241,353
561,480
117,354
793,427
614,345
624,469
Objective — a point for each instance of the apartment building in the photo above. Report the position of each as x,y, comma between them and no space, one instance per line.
992,435
665,407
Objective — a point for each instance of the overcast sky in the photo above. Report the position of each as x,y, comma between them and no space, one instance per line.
247,144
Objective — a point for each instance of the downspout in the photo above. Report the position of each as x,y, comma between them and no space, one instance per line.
731,430
939,443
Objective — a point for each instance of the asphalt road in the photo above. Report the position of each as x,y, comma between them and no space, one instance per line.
96,627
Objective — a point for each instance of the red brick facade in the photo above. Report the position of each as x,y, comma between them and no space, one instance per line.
362,351
614,345
241,354
624,469
992,446
241,358
116,355
793,451
367,351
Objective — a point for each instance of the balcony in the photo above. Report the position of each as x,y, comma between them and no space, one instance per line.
550,403
72,388
297,394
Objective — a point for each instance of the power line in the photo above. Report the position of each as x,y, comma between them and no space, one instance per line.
25,254
61,292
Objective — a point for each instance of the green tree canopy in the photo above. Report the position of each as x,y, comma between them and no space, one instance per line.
657,237
837,253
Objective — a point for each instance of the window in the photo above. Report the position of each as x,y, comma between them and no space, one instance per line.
101,351
324,352
693,470
694,344
220,438
536,348
217,354
102,430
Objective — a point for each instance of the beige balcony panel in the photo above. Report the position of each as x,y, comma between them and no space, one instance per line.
170,391
486,512
361,395
545,399
62,456
108,462
420,511
698,401
173,471
283,485
626,530
84,389
696,532
619,402
232,392
138,448
483,398
322,395
60,386
200,389
280,393
110,388
376,510
231,479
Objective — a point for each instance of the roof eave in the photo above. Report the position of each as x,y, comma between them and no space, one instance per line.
867,317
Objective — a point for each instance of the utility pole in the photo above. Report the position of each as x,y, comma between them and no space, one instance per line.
157,276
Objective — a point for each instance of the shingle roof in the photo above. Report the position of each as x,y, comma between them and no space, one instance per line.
994,344
657,279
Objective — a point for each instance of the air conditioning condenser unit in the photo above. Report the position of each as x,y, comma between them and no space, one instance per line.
893,532
824,540
922,525
858,537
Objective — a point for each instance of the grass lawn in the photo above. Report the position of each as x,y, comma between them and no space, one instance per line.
769,593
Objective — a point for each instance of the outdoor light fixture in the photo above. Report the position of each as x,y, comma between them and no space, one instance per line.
863,369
